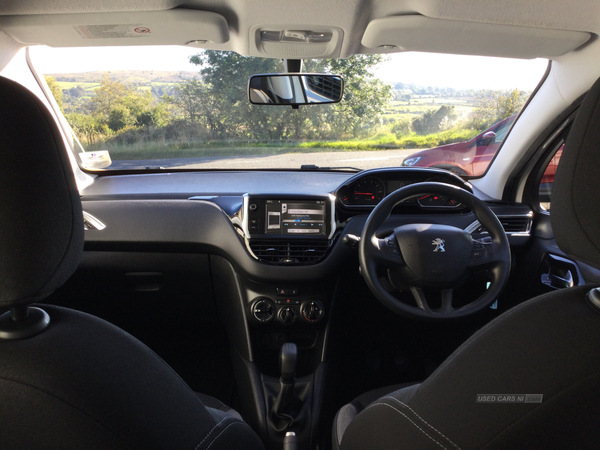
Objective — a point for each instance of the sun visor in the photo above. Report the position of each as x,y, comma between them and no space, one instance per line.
416,33
171,27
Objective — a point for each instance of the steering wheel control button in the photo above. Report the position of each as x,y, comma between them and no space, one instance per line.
481,254
312,311
263,310
389,249
287,315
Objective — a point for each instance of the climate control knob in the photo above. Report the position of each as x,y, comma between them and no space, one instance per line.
287,315
263,310
312,311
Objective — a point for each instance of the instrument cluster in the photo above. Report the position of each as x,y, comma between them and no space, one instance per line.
370,188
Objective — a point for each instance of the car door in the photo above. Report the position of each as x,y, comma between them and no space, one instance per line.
542,266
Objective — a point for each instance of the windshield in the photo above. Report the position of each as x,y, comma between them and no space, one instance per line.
143,108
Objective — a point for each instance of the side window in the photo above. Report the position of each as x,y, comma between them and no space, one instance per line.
547,181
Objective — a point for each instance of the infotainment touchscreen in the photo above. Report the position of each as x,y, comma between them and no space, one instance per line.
295,217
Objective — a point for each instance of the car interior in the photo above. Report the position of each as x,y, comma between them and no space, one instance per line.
166,308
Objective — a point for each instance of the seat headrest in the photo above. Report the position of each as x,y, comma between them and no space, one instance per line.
575,206
41,223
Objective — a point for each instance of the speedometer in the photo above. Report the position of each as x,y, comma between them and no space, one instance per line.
368,191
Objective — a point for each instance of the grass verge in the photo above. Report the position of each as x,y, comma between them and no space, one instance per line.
389,141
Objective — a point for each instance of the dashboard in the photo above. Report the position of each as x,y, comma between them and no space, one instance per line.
263,252
261,219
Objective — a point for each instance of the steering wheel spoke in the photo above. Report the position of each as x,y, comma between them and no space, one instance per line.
446,304
447,301
419,297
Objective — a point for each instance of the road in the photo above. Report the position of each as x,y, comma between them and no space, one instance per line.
360,159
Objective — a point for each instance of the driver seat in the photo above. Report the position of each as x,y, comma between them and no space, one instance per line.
531,377
67,379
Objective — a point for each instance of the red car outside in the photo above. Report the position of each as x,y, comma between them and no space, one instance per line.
470,158
547,181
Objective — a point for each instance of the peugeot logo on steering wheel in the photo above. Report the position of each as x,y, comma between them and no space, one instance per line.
439,245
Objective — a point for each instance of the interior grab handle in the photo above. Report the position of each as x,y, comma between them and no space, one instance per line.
557,282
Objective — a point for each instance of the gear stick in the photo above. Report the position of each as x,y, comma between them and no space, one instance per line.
286,404
288,361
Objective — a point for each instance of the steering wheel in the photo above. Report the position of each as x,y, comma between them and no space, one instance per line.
430,256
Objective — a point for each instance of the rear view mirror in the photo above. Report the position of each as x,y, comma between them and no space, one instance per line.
295,89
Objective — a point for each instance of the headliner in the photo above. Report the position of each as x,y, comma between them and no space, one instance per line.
350,16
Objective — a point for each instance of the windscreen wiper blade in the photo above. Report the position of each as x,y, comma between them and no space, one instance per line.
315,167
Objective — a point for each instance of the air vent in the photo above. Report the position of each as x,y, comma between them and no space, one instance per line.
511,225
299,252
516,224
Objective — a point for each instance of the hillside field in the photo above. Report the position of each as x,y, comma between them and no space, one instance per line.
157,81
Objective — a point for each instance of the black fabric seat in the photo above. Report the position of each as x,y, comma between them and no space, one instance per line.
547,347
349,411
214,403
70,380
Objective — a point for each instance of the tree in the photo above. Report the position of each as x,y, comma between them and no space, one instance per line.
434,121
122,106
510,103
494,106
87,128
199,104
56,91
219,99
116,109
109,94
365,98
223,95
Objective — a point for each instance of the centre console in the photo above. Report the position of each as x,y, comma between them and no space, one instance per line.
286,234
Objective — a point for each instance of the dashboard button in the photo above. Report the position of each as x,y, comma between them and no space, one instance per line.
287,301
288,292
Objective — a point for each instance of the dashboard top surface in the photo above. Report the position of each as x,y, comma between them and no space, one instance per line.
187,184
179,185
151,212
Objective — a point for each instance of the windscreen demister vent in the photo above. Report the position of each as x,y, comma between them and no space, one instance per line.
301,252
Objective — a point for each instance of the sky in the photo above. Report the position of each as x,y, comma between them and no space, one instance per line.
459,72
